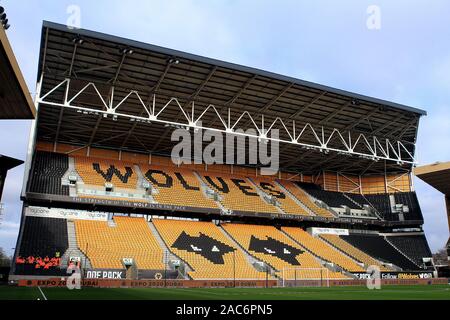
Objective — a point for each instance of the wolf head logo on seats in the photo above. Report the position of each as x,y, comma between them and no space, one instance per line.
275,248
205,246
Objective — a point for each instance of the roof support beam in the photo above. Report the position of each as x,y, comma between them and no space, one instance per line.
307,137
61,112
271,102
190,100
363,118
335,113
307,105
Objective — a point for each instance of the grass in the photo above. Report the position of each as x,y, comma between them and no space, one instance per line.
424,292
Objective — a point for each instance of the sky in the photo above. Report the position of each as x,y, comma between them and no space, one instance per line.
406,59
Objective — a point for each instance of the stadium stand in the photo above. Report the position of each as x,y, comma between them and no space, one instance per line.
287,204
270,245
44,241
237,193
414,246
378,247
96,171
106,245
331,198
322,249
47,172
303,197
226,198
206,249
352,251
176,187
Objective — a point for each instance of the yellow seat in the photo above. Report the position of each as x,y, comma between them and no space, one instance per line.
303,265
206,265
106,246
322,249
303,197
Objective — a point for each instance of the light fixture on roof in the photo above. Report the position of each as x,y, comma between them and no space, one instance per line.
3,19
354,102
77,40
174,61
127,51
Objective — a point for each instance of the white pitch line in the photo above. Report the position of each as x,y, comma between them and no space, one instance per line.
43,295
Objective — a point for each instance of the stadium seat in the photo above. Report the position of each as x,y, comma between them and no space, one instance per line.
352,251
237,193
176,186
48,170
44,241
96,171
206,250
305,199
331,198
376,246
413,246
323,250
270,245
107,245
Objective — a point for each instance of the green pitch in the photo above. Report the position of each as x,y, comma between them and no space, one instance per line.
435,292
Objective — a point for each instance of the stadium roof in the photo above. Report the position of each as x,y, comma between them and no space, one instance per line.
8,162
15,99
436,175
159,73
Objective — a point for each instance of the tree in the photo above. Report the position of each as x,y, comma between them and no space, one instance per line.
440,257
5,261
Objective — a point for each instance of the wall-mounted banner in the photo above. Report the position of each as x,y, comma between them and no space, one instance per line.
105,274
398,275
339,232
65,213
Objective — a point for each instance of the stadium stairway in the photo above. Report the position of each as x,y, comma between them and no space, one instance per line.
251,259
306,199
247,253
353,201
353,252
263,195
294,198
71,172
140,182
205,189
400,251
325,263
168,254
73,250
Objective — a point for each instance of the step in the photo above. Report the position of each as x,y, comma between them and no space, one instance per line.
140,180
323,262
262,193
314,200
297,201
73,249
251,258
205,187
401,252
168,254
